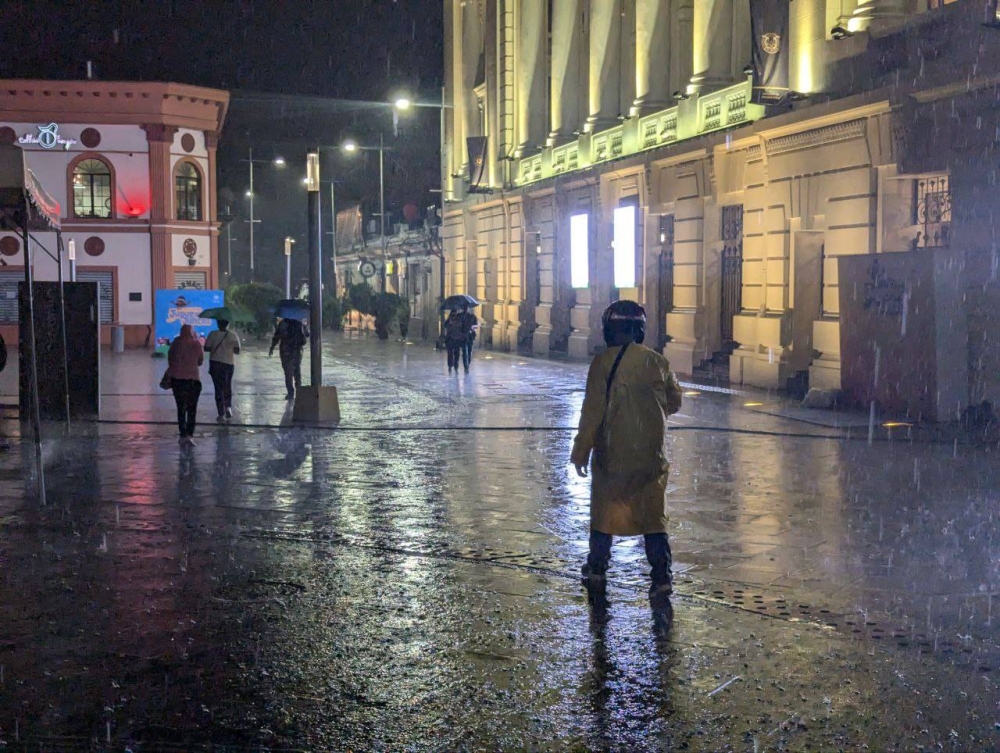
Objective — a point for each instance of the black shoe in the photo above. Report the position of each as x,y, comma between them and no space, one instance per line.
659,598
663,620
593,581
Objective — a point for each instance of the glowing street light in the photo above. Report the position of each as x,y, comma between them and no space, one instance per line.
403,103
279,161
350,146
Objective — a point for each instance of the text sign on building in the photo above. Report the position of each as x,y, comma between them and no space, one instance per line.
47,137
579,251
625,247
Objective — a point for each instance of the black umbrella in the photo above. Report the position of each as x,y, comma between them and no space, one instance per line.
462,301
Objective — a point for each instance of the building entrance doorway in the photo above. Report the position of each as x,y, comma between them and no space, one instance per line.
732,272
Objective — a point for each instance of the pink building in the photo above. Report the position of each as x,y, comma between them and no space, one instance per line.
132,166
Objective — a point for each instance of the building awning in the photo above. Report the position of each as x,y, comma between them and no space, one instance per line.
20,189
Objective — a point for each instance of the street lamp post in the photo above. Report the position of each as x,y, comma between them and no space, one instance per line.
277,161
404,103
288,266
315,272
351,146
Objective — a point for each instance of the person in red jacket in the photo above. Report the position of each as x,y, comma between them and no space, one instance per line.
184,359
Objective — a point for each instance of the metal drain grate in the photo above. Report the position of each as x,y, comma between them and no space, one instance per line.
971,653
968,651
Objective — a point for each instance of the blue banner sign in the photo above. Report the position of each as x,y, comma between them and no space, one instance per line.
175,308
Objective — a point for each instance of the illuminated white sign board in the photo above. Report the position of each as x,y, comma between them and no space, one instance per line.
625,247
579,251
48,138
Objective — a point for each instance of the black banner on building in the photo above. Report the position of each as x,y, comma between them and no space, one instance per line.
477,160
769,26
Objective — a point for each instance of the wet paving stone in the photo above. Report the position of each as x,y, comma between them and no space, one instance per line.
410,580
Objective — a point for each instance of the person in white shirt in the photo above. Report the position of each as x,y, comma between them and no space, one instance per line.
223,346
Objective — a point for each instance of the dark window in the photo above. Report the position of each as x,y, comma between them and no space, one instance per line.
92,189
933,211
187,186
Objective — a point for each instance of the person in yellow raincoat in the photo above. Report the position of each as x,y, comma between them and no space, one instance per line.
622,434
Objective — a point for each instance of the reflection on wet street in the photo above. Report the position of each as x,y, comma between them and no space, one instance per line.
410,580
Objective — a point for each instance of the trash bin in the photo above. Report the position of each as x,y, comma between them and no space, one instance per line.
118,338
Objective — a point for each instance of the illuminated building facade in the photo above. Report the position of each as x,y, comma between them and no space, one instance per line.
624,156
132,166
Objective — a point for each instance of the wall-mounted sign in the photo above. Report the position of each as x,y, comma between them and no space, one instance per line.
367,269
175,308
48,138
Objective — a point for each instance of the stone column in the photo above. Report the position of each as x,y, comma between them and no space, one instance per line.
160,138
604,64
808,40
466,105
532,69
652,56
681,44
212,145
717,49
567,81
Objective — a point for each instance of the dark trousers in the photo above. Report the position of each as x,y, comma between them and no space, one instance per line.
466,354
186,394
657,554
454,347
222,379
291,362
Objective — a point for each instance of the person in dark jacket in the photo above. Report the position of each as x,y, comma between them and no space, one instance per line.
460,334
184,360
290,337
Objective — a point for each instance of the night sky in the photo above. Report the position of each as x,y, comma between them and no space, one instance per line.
347,49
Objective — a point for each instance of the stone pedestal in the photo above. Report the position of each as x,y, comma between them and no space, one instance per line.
316,405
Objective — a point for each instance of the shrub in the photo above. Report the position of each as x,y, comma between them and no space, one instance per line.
259,299
388,307
334,310
361,296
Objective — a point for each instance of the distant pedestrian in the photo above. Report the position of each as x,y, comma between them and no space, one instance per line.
460,333
183,361
290,337
223,346
630,393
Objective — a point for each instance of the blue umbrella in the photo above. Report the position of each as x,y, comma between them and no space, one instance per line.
291,308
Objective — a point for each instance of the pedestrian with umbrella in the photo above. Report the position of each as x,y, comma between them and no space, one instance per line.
460,330
222,346
290,337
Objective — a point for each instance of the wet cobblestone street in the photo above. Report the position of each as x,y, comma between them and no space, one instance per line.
409,580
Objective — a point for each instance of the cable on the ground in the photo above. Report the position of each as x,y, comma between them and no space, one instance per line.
845,436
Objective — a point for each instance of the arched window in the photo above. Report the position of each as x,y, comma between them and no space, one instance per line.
92,189
187,191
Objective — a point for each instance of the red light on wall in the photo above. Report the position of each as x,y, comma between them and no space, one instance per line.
134,211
